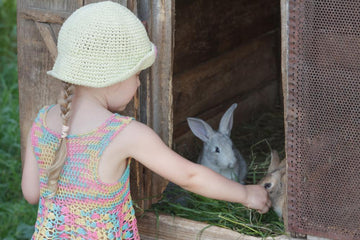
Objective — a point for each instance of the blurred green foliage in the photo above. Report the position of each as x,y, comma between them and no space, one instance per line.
17,217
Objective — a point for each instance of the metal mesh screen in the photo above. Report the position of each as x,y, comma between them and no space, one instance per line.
323,137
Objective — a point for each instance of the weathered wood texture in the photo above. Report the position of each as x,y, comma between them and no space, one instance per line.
39,22
284,77
225,52
225,79
208,28
166,227
36,28
156,93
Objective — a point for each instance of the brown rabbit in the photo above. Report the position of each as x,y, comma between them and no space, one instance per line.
275,182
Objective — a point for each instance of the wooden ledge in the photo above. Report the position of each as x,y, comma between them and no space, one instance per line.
165,227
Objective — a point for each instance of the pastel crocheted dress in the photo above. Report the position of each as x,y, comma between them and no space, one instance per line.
84,207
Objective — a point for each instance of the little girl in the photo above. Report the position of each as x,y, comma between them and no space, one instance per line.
76,163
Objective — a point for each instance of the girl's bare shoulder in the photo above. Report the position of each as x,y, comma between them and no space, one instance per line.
53,118
136,136
136,131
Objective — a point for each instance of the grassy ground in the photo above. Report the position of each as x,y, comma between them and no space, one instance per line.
255,141
16,216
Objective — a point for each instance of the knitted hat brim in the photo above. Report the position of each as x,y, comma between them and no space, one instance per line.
142,64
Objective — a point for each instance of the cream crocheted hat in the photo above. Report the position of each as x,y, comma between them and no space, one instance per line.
101,44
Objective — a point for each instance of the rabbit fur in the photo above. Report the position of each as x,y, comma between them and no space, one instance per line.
275,182
219,152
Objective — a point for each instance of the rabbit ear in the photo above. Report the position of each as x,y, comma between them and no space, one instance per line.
226,122
200,128
275,161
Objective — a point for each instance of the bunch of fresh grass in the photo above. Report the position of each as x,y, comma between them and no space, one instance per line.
255,140
224,214
17,217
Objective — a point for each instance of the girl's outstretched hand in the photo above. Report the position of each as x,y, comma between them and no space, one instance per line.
257,198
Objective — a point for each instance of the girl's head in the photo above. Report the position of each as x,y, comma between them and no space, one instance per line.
99,45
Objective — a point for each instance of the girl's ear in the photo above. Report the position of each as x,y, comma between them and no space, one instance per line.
226,122
200,128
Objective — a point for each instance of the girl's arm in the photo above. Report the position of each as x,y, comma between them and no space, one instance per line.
146,147
30,183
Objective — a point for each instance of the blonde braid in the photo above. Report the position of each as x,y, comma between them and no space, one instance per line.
60,155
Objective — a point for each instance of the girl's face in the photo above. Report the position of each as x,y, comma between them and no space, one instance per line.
120,94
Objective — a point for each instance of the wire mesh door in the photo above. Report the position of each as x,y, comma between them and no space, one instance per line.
323,118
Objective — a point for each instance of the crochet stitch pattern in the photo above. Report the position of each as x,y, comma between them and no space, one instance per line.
101,44
84,207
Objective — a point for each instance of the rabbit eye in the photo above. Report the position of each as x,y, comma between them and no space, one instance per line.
267,185
217,150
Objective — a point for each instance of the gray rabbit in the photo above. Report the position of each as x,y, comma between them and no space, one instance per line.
219,152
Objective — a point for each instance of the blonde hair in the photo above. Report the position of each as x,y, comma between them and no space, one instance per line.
60,155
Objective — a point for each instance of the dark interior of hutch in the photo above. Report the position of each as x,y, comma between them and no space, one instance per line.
225,52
